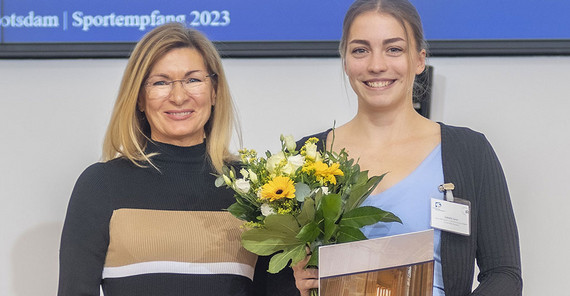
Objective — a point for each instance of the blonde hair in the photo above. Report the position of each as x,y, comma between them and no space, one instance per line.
128,132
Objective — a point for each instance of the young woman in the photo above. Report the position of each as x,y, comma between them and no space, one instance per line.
382,50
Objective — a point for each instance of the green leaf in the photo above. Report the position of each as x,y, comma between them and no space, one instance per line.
309,232
362,178
360,192
367,215
225,171
279,234
243,211
302,190
280,260
314,260
282,223
264,242
307,212
219,181
331,207
349,234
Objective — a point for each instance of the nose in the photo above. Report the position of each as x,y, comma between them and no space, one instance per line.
178,94
377,63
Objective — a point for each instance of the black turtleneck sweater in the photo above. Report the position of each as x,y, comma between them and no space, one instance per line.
143,231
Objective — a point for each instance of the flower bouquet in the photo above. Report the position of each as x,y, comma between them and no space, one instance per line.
295,201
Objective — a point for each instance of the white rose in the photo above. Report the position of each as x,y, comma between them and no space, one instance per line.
274,161
311,151
290,143
266,210
242,186
296,161
287,169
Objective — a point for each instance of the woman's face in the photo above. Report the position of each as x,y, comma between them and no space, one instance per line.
178,111
377,61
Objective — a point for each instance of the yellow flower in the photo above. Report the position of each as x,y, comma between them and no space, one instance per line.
323,172
278,188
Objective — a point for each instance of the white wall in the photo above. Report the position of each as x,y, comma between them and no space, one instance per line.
53,114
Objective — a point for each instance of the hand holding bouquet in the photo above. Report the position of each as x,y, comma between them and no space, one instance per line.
298,200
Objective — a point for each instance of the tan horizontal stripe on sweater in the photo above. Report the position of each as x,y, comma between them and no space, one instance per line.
139,236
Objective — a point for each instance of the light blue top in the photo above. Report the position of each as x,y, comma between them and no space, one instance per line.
410,199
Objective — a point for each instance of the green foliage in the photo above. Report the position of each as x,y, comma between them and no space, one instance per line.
307,214
360,217
309,232
326,209
279,234
280,260
349,234
243,210
331,207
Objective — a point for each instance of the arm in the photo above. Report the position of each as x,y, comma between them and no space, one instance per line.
498,252
85,236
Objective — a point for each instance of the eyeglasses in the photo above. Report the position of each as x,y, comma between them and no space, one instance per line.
195,85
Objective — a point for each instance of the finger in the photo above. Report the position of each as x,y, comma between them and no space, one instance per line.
301,264
307,285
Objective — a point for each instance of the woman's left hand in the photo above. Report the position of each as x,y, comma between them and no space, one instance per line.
306,279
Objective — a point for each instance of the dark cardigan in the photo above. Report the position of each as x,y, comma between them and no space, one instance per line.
470,163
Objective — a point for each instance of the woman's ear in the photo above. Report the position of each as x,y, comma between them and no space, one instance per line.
421,62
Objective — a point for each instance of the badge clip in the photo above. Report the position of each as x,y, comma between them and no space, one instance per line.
447,189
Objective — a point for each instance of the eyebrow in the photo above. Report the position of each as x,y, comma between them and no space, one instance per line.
185,75
384,42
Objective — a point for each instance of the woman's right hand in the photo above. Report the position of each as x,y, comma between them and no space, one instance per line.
305,278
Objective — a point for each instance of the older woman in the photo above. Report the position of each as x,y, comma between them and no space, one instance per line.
148,220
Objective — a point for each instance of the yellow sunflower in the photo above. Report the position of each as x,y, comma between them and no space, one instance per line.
278,188
323,172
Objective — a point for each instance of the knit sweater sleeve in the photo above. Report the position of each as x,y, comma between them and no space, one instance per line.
498,254
85,235
471,164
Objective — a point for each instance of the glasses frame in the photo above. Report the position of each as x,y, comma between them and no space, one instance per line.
170,83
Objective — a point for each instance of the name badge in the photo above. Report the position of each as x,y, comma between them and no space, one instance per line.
452,214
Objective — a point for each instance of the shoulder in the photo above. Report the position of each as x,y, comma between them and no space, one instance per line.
322,136
460,132
464,147
462,138
100,169
103,173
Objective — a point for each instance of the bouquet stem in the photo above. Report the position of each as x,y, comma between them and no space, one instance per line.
314,292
